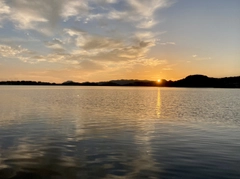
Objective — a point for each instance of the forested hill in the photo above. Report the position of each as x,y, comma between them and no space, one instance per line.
204,81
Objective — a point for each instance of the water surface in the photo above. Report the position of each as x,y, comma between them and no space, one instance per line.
119,132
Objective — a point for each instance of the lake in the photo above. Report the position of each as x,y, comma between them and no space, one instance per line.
119,132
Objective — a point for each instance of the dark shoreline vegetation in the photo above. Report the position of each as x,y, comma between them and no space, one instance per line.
200,81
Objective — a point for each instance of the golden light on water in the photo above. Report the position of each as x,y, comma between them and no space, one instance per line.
158,106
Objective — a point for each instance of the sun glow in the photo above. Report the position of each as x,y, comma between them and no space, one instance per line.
159,81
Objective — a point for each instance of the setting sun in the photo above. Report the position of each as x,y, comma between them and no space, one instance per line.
158,80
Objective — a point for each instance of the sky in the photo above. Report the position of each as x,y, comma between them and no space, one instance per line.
100,40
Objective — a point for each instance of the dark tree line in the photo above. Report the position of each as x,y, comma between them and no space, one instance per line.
198,81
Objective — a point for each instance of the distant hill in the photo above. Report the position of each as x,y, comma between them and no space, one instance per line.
198,81
204,81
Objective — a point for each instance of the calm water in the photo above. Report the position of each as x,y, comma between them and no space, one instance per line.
119,132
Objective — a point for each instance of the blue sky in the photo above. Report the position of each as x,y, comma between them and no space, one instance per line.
97,40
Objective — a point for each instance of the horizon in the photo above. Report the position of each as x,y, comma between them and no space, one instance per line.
157,80
95,41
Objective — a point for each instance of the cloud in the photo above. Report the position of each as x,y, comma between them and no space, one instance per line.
201,58
152,62
12,52
35,15
92,48
143,11
44,15
4,9
55,44
73,8
74,34
89,41
147,36
147,24
17,52
125,53
96,47
168,43
27,56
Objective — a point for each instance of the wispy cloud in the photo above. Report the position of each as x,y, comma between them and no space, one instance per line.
12,52
199,58
168,43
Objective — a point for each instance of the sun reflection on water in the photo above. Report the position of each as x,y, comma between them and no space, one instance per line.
158,106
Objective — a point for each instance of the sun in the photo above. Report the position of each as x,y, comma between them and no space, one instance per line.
158,80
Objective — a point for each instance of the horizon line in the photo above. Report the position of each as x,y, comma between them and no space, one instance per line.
70,81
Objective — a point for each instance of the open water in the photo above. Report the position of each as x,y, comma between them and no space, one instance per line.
52,132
